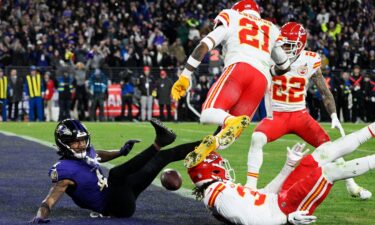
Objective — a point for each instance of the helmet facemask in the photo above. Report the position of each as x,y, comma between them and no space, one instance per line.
69,137
293,48
213,168
294,37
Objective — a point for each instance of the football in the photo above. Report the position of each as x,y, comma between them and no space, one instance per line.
171,179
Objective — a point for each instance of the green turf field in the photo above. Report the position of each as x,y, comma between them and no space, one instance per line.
338,208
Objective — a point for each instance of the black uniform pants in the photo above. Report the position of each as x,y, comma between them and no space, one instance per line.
130,179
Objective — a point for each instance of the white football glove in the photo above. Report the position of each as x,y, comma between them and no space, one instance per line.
336,124
102,180
300,217
295,154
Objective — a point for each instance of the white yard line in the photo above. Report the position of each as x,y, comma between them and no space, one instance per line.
184,192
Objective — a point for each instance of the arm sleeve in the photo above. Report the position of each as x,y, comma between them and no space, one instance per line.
275,185
218,34
223,18
280,58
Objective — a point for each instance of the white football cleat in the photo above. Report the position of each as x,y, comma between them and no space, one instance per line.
359,192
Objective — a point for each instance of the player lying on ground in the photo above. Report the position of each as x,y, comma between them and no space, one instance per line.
78,172
288,103
249,47
293,195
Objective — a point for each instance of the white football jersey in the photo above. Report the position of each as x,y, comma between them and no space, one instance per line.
240,205
289,90
247,39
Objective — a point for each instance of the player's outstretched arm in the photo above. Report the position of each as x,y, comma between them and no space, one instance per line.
181,86
105,156
55,193
294,155
281,59
328,100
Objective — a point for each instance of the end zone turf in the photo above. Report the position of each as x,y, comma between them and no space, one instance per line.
24,180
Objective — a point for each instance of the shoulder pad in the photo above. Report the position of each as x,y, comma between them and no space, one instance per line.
223,18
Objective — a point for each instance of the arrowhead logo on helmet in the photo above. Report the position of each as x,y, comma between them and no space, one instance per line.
296,38
247,6
214,167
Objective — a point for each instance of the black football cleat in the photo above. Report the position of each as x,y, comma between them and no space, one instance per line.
164,135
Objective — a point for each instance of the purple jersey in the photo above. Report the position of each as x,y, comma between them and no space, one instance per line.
86,192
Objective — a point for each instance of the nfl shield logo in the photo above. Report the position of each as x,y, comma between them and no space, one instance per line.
302,70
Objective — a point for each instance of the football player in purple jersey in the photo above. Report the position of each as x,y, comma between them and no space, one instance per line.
78,173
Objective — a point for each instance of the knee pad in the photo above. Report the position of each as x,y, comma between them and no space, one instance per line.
258,139
205,115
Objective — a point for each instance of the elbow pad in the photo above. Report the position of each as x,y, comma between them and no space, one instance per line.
280,58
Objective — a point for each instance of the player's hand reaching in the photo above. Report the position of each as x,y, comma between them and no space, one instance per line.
127,147
336,124
180,87
300,217
295,154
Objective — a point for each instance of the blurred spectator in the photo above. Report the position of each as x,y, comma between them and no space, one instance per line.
50,90
97,55
65,87
15,94
332,83
202,89
34,91
345,100
346,57
162,57
4,91
98,86
146,58
81,96
163,88
369,86
323,16
177,50
127,92
356,80
146,86
194,33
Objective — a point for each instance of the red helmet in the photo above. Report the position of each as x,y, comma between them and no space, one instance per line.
214,167
247,6
295,36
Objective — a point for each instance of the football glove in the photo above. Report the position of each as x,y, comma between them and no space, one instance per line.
336,124
300,217
127,147
180,87
102,180
295,154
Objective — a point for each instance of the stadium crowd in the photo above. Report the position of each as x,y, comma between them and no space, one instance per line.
79,47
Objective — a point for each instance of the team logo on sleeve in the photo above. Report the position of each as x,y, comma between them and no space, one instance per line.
302,70
53,173
54,176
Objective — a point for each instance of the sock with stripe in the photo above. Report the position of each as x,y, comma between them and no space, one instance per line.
214,116
343,170
255,158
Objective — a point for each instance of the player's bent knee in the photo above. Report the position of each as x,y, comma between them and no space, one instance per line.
213,116
205,115
332,171
258,139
